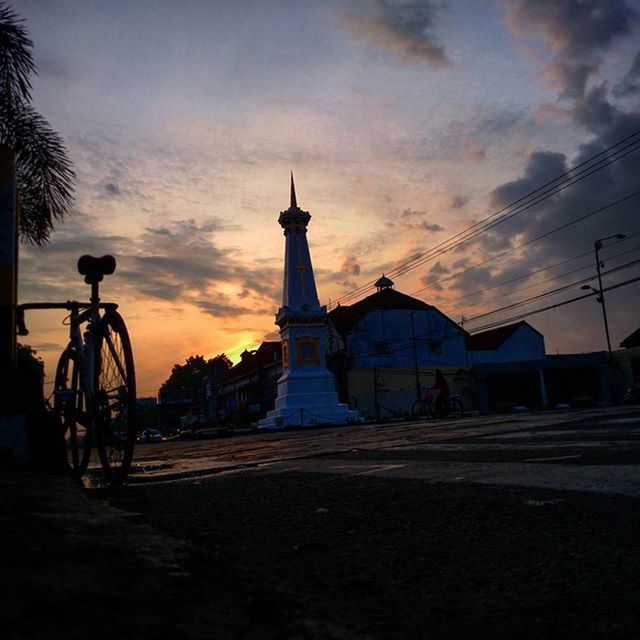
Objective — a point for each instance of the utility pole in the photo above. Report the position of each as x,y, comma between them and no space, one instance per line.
600,291
8,258
597,246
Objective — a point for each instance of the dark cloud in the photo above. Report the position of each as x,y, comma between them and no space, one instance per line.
438,268
576,32
411,219
606,124
351,266
470,139
178,262
431,280
457,202
630,84
404,29
112,189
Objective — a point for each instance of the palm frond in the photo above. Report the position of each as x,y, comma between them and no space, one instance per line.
43,170
16,60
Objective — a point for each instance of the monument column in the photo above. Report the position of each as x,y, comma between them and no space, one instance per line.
306,390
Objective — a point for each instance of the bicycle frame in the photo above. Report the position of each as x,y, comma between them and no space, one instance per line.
94,387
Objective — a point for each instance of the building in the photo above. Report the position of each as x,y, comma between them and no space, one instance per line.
248,390
383,351
509,343
391,329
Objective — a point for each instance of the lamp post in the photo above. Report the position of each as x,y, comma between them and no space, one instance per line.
600,292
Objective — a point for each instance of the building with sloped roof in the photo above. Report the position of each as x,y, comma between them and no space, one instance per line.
249,388
509,343
632,340
391,329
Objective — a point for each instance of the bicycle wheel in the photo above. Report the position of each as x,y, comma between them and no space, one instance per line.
70,404
421,409
115,397
456,410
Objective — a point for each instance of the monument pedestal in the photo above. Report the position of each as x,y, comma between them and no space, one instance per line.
307,398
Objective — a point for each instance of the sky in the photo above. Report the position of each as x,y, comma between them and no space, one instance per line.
404,123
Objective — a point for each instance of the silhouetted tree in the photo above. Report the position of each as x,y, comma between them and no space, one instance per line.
44,172
186,379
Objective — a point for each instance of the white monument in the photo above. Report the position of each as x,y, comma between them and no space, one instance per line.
306,390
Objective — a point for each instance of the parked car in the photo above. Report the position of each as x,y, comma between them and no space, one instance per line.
151,435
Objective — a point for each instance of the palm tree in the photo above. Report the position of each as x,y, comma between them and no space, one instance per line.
43,170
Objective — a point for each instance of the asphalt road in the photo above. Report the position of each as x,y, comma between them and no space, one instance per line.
510,526
595,449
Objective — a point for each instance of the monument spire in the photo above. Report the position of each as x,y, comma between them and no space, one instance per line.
306,390
294,202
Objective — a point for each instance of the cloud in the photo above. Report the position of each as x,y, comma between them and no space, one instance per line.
112,189
472,152
351,266
404,29
439,269
575,32
630,84
606,124
469,139
411,219
178,262
458,202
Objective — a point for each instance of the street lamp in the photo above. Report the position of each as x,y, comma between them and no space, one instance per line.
600,292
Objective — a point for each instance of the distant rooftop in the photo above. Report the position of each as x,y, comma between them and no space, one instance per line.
494,338
346,317
632,340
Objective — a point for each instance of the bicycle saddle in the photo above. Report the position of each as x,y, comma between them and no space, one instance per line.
94,269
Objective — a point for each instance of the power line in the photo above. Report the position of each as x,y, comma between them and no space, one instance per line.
531,241
526,202
537,284
505,321
545,294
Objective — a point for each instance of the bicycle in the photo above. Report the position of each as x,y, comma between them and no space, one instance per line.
95,389
425,407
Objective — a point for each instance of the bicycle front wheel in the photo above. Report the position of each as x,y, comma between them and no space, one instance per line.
421,409
115,397
70,405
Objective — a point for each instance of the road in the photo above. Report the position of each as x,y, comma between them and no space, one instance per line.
489,527
587,450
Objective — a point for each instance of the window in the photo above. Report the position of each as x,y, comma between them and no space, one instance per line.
307,350
435,347
381,348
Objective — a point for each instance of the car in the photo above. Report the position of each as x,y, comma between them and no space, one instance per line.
151,435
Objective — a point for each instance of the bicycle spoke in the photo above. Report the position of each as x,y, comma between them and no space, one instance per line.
115,397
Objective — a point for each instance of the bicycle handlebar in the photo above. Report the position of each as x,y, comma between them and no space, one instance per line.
69,305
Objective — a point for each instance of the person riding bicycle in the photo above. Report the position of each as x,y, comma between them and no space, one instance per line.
440,384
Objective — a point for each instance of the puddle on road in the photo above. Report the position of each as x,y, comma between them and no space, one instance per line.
146,468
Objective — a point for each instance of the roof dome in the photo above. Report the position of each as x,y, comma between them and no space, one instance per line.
383,283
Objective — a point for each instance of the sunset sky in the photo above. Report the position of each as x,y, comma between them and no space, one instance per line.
403,122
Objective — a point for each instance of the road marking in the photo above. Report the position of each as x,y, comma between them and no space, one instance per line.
381,467
573,457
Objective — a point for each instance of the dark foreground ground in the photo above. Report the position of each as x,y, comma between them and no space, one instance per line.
301,554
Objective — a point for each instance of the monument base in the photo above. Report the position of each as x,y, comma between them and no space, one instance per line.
307,399
308,416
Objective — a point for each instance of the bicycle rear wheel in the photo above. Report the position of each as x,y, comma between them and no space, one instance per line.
421,409
70,404
115,397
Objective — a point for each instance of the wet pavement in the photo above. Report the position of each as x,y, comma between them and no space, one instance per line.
508,526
